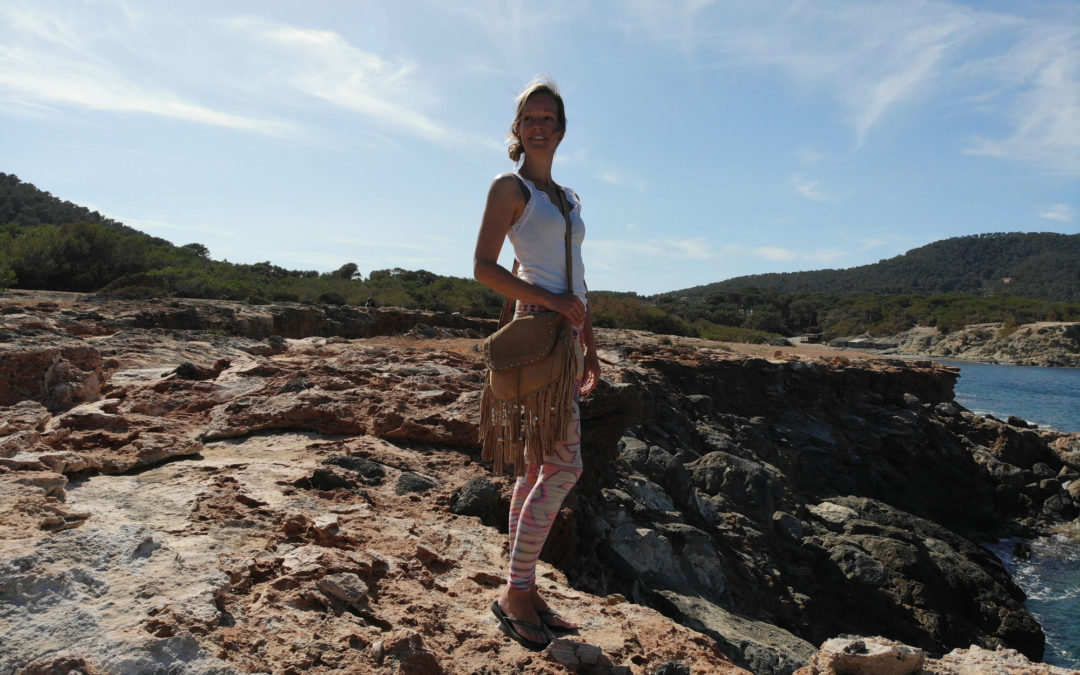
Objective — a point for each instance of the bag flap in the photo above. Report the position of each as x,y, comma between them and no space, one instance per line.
522,341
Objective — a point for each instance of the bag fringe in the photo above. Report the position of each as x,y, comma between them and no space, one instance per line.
531,424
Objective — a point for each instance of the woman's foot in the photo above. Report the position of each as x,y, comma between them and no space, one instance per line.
547,615
515,611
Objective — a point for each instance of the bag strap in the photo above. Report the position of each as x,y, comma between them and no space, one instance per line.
564,209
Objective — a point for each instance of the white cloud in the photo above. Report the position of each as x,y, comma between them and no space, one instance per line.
610,177
661,249
47,60
881,60
808,258
622,255
808,156
774,253
322,64
811,189
1039,78
1062,212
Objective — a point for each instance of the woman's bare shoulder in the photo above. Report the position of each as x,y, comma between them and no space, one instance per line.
509,186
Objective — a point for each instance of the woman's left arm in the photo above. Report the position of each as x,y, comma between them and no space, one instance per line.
591,377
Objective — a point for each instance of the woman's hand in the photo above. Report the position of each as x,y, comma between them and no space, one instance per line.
591,377
570,306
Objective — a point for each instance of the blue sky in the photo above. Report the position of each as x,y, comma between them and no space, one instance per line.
707,139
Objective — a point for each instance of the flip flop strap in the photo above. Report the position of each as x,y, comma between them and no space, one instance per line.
524,622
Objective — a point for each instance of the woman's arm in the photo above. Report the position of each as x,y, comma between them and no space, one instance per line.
591,377
504,206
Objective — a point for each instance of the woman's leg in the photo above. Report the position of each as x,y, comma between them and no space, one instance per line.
537,498
540,506
538,495
522,487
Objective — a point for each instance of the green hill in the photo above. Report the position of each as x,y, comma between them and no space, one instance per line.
50,244
1041,265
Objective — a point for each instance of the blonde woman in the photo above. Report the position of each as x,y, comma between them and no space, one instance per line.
528,207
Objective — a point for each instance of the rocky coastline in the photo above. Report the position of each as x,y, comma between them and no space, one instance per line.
211,487
1048,343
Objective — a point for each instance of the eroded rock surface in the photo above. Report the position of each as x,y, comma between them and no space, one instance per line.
878,656
1047,343
315,502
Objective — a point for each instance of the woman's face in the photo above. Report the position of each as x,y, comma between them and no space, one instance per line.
538,128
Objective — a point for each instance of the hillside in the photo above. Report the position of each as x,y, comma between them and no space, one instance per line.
50,244
1041,265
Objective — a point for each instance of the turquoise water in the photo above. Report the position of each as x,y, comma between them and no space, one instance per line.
1049,397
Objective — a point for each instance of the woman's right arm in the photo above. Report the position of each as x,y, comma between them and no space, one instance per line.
505,204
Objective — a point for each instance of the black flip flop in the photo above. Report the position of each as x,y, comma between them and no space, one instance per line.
507,623
546,615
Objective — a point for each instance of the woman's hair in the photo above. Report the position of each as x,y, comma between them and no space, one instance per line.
538,86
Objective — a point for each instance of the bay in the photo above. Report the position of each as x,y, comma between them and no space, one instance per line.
1049,397
1050,575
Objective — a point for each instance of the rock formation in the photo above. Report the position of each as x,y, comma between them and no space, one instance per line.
211,488
1054,344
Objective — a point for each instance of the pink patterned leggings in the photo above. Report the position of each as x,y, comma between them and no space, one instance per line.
539,494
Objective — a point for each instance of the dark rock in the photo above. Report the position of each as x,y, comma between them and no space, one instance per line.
1014,421
673,668
327,479
479,497
371,473
1022,550
1043,470
750,486
788,524
1059,506
633,452
190,371
411,482
298,383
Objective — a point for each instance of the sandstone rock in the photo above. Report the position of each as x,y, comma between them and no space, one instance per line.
1041,344
857,656
83,595
346,587
879,656
57,376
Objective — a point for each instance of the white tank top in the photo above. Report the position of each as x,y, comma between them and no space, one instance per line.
538,241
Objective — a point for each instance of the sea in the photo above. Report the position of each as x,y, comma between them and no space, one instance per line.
1050,398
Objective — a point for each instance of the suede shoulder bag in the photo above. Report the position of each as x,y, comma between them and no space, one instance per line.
531,369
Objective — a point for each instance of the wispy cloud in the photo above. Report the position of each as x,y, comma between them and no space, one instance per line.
808,156
48,60
615,254
811,189
324,65
774,253
1038,93
661,249
812,258
877,59
1062,212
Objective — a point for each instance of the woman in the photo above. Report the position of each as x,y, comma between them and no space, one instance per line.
528,207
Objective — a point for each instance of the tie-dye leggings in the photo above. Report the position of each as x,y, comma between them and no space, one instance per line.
538,495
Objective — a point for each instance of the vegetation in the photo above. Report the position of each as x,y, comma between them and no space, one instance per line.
873,314
1045,266
49,244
